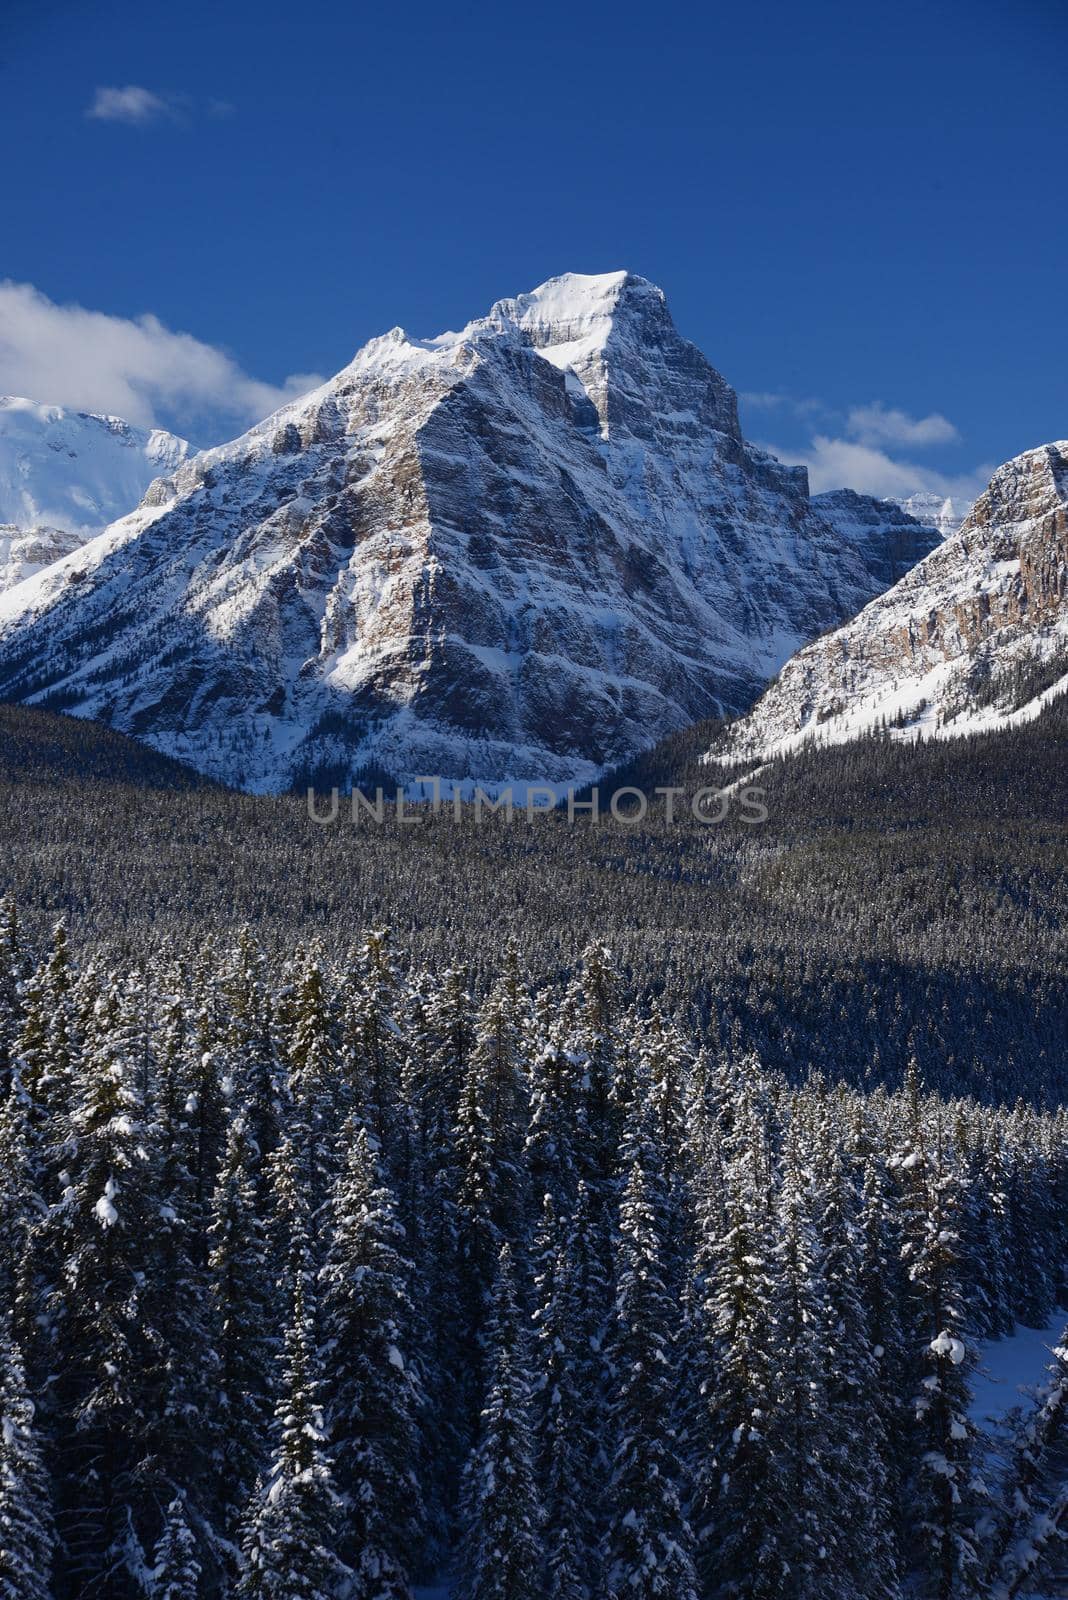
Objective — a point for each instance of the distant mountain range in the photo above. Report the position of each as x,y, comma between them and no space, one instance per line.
518,553
944,512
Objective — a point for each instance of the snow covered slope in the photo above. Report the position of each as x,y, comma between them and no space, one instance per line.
65,475
974,637
518,552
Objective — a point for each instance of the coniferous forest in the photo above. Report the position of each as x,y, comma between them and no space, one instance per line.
541,1213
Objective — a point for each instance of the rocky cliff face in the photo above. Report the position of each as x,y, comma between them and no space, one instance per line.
975,636
517,553
65,475
891,539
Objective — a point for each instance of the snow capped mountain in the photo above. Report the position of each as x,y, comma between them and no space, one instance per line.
974,637
65,475
944,512
519,552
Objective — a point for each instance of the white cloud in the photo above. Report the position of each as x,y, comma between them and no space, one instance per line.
136,368
132,104
869,448
878,424
846,463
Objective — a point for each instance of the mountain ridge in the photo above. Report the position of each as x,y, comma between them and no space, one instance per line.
514,553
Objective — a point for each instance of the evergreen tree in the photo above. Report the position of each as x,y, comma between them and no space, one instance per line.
371,1037
489,1136
242,1303
12,963
176,1571
292,1528
799,1545
501,1516
21,1207
947,1490
437,1028
859,1499
566,1443
371,1391
313,1078
27,1534
107,1352
736,1281
557,1124
648,1553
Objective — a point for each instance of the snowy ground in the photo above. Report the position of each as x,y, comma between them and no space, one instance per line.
1009,1367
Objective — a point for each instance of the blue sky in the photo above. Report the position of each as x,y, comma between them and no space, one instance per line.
857,211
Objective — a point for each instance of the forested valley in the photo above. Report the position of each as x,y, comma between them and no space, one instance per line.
548,1211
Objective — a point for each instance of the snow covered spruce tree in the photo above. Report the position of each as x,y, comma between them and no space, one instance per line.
317,1093
567,1378
243,1301
947,1491
428,1210
106,1395
735,1279
797,1503
648,1545
12,972
371,1392
371,1038
21,1205
251,1048
27,1532
501,1551
491,1194
558,1127
176,1570
293,1522
856,1441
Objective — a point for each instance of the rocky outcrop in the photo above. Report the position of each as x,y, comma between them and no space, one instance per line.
516,553
975,636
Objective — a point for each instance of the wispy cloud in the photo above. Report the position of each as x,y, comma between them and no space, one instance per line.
871,448
137,107
785,404
878,424
133,105
136,368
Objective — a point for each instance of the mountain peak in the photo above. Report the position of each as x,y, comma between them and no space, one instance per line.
578,304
